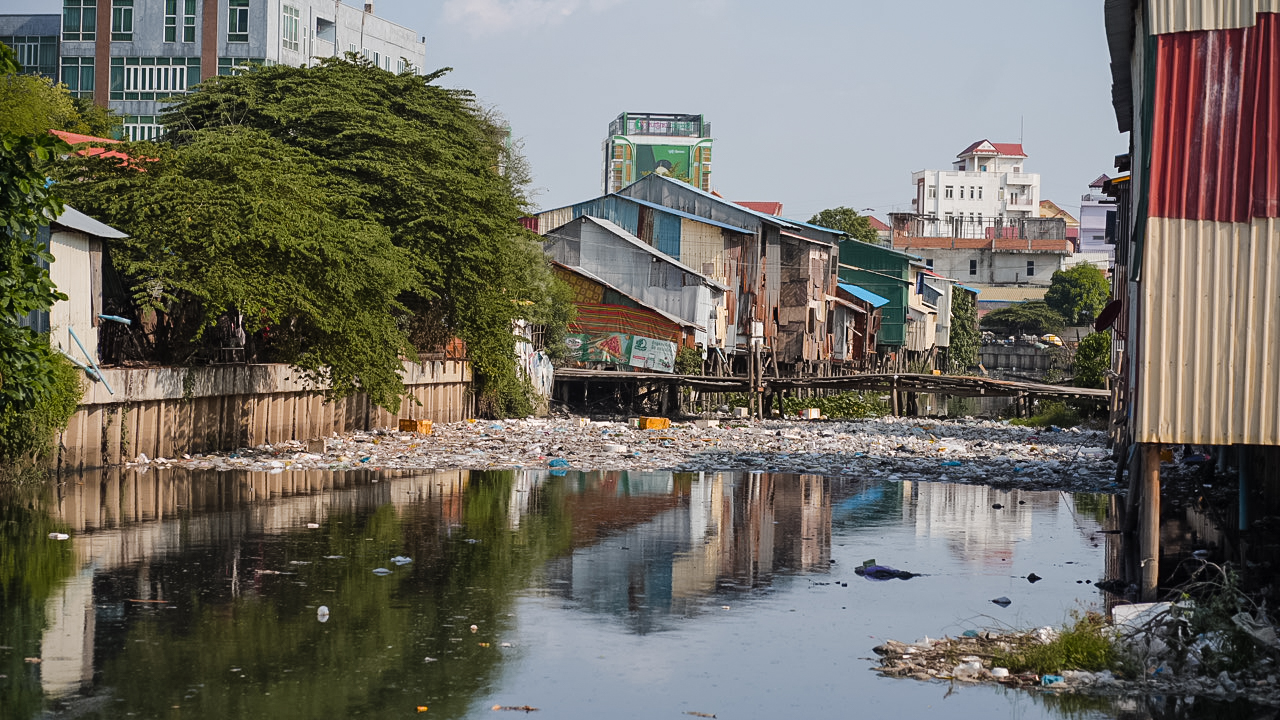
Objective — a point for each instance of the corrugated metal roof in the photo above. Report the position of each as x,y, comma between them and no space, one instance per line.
685,215
865,295
699,191
593,278
815,227
973,290
769,207
642,245
1208,364
1011,294
76,220
1214,154
1175,16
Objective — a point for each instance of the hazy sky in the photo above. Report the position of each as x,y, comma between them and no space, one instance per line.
813,103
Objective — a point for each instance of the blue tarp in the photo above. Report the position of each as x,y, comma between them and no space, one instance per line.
864,295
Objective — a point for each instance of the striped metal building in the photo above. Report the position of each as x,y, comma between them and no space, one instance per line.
1197,84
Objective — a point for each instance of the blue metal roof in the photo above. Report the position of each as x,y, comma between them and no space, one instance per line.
864,295
975,291
685,215
816,227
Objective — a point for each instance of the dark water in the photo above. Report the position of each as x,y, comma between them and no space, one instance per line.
618,595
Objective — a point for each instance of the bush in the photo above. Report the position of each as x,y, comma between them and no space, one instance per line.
1051,413
26,437
1093,360
849,405
1029,318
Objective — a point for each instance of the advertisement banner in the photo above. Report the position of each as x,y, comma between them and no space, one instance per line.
669,160
653,354
607,348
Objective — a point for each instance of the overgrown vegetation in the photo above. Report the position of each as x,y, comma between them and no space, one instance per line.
847,405
965,338
1093,360
34,105
1085,644
38,388
1051,413
349,217
689,361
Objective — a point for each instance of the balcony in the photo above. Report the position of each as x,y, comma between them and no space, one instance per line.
1021,178
928,231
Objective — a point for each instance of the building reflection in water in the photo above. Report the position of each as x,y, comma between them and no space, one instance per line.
639,548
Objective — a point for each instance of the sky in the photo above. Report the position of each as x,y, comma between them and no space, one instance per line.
813,103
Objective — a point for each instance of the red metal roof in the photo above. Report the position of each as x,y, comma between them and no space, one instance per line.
766,207
1014,149
71,138
877,224
1214,154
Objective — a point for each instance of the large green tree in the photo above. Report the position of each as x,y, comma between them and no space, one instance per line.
962,353
1093,360
1033,318
425,161
38,389
32,105
236,222
848,221
1078,294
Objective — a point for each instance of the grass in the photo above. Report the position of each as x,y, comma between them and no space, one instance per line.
1083,645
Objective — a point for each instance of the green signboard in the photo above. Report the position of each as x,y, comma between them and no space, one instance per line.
670,160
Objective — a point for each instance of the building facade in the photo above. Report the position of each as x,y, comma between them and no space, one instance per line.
638,144
985,181
130,55
1094,208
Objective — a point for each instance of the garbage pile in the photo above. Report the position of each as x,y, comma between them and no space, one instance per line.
1157,657
894,449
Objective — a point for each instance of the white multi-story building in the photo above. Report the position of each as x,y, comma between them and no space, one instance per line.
985,182
1094,207
130,55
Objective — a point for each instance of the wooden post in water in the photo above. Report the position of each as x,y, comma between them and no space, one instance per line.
1149,519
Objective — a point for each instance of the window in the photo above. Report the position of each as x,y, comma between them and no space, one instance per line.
122,20
188,33
948,192
235,66
141,127
933,191
289,28
351,48
238,21
79,19
973,267
77,75
984,168
152,78
979,192
1000,194
401,64
971,192
377,59
928,262
1031,268
36,53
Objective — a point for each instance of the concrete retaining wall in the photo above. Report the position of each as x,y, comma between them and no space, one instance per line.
166,412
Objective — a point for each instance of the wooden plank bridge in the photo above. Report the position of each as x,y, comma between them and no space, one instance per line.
900,386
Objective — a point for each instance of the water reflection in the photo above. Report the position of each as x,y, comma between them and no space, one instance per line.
196,594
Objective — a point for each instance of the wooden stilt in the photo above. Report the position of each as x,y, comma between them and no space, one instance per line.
1149,522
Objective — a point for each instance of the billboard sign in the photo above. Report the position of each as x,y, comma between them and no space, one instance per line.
669,160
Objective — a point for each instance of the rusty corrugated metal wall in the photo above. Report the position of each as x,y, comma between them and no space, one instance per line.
1208,298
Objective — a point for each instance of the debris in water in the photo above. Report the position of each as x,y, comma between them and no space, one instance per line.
322,613
1034,578
401,560
1003,601
519,708
381,571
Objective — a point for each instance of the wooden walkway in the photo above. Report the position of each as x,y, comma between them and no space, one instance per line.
952,385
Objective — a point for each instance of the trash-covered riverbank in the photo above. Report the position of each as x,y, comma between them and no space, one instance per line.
895,449
1143,638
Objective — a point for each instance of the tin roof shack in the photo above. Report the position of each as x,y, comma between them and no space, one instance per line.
76,242
609,321
937,292
922,316
995,251
758,286
885,272
856,320
657,280
1197,86
715,249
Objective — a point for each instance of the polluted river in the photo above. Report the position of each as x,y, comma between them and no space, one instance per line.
365,579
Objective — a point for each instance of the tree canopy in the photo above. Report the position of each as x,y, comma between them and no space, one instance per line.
406,215
848,221
33,105
1029,318
962,354
1079,293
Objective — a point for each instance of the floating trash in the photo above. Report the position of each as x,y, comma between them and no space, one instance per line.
401,560
1002,601
59,536
381,571
322,613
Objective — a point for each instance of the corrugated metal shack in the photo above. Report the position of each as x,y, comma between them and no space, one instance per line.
658,280
794,323
1198,256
